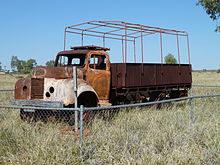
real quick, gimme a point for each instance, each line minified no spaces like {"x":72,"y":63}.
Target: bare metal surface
{"x":63,"y":90}
{"x":85,"y":87}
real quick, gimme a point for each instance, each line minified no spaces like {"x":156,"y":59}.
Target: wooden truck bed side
{"x":128,"y":75}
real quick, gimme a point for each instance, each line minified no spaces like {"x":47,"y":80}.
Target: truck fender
{"x":86,"y":95}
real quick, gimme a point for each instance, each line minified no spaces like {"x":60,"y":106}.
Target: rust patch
{"x":131,"y":75}
{"x":23,"y":89}
{"x":62,"y":72}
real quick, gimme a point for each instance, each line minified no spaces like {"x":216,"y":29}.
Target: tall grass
{"x":138,"y":136}
{"x":6,"y":82}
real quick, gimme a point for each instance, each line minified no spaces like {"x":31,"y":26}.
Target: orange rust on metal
{"x":61,"y":72}
{"x":99,"y":76}
{"x":23,"y":89}
{"x":93,"y":76}
{"x":29,"y":89}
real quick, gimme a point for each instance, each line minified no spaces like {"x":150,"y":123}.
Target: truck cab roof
{"x":89,"y":47}
{"x":82,"y":50}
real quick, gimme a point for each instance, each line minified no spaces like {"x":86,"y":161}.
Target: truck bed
{"x":129,"y":75}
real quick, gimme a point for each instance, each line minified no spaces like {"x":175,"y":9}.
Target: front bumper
{"x":37,"y":103}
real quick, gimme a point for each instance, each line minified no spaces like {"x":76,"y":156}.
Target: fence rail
{"x":206,"y":85}
{"x":6,"y":90}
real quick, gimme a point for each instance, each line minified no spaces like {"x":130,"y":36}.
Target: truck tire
{"x":26,"y":116}
{"x":88,"y":99}
{"x":158,"y":96}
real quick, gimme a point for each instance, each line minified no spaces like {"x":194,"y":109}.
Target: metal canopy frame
{"x":126,"y":32}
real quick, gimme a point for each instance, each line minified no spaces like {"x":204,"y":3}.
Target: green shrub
{"x":18,"y":77}
{"x":170,"y":59}
{"x":218,"y":71}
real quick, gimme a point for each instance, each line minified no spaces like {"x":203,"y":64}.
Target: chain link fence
{"x":81,"y":117}
{"x":204,"y":90}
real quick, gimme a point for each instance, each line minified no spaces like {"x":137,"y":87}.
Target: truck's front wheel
{"x":26,"y":116}
{"x":88,"y":99}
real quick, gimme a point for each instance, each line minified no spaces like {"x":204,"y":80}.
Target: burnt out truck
{"x":101,"y":82}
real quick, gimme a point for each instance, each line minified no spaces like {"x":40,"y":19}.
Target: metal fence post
{"x":75,"y":87}
{"x":191,"y":92}
{"x":192,"y":110}
{"x":81,"y":128}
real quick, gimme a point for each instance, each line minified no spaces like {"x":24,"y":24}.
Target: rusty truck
{"x":101,"y":82}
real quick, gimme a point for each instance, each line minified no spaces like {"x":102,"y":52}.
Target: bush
{"x":170,"y":59}
{"x":218,"y":71}
{"x":18,"y":77}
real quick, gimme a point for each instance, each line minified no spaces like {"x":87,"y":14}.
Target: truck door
{"x":98,"y":74}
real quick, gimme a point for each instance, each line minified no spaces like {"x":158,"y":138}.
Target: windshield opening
{"x":71,"y":60}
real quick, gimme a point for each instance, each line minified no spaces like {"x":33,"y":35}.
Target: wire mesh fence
{"x":195,"y":108}
{"x":204,"y":90}
{"x":85,"y":115}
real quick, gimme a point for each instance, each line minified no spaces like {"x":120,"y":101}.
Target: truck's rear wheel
{"x":159,"y":96}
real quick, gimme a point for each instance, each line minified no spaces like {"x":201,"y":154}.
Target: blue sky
{"x":34,"y":29}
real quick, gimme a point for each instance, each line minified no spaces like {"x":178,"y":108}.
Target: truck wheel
{"x":26,"y":116}
{"x":159,"y":96}
{"x":43,"y":115}
{"x":37,"y":115}
{"x":88,"y":99}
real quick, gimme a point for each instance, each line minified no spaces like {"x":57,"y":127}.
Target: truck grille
{"x":37,"y":88}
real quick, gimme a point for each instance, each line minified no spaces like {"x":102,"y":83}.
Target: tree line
{"x":25,"y":66}
{"x":22,"y":66}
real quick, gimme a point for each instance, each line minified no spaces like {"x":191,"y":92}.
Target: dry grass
{"x":6,"y":82}
{"x":206,"y":78}
{"x":140,"y":136}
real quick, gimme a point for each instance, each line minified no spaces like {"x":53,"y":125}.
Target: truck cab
{"x":54,"y":84}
